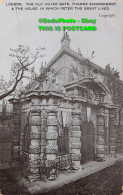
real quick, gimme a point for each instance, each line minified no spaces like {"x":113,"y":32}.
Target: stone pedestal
{"x":100,"y":137}
{"x":51,"y":136}
{"x":112,"y":133}
{"x":75,"y":139}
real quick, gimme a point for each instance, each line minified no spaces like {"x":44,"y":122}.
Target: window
{"x":57,"y":79}
{"x":75,"y":64}
{"x":74,"y":76}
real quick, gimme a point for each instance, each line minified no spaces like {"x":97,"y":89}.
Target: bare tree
{"x":21,"y":67}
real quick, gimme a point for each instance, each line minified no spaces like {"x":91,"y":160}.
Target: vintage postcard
{"x":61,"y":97}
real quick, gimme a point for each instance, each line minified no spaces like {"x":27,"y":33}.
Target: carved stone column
{"x":75,"y":138}
{"x":112,"y":133}
{"x":34,"y":147}
{"x":51,"y":136}
{"x":100,"y":137}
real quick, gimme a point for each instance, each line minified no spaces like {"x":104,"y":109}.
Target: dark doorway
{"x":87,"y":142}
{"x":63,"y":147}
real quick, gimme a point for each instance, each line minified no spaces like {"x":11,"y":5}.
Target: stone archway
{"x":87,"y":142}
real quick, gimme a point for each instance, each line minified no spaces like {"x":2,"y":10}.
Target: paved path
{"x":70,"y":176}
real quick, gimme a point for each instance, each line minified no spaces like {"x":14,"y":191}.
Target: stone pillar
{"x":51,"y":136}
{"x":112,"y":133}
{"x":34,"y":147}
{"x":43,"y":135}
{"x":100,"y":137}
{"x":106,"y":131}
{"x":24,"y":123}
{"x":75,"y":139}
{"x":15,"y":139}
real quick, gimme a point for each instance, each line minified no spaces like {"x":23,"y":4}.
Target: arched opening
{"x":87,"y":142}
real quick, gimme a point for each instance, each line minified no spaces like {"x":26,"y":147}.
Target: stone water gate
{"x":58,"y":126}
{"x":65,"y":118}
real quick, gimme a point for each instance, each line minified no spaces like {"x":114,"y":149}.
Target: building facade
{"x":67,"y":116}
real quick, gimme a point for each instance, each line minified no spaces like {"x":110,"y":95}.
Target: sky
{"x":21,"y":27}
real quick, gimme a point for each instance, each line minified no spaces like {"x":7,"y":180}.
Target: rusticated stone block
{"x":112,"y":135}
{"x":112,"y":144}
{"x":76,"y":157}
{"x":51,"y":142}
{"x":34,"y":163}
{"x":76,"y":122}
{"x":76,"y":145}
{"x":51,"y":156}
{"x":112,"y":148}
{"x":52,"y":121}
{"x":100,"y":147}
{"x":51,"y":129}
{"x":43,"y":142}
{"x":112,"y":140}
{"x":34,"y":149}
{"x":100,"y":141}
{"x":33,"y":157}
{"x":100,"y":127}
{"x":76,"y":133}
{"x":76,"y":151}
{"x":75,"y":140}
{"x":53,"y":135}
{"x":76,"y":128}
{"x":100,"y":151}
{"x":35,"y":142}
{"x":35,"y":129}
{"x":51,"y":149}
{"x":35,"y":135}
{"x":101,"y":133}
{"x":33,"y":170}
{"x":36,"y":120}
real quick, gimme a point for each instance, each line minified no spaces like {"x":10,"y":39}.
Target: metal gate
{"x":5,"y":144}
{"x":87,"y":142}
